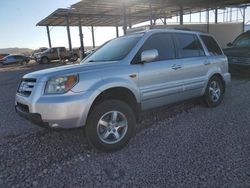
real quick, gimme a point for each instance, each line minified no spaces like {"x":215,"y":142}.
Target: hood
{"x":44,"y":75}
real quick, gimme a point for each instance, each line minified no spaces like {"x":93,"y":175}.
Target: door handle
{"x":207,"y":63}
{"x":176,"y":67}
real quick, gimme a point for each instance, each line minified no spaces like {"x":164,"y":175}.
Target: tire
{"x":103,"y":130}
{"x":23,"y":63}
{"x":214,"y":92}
{"x":45,"y":60}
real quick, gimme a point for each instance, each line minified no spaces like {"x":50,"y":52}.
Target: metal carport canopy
{"x":111,"y":12}
{"x":126,"y":13}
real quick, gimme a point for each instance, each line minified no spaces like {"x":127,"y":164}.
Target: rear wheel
{"x":214,"y":92}
{"x":110,"y":125}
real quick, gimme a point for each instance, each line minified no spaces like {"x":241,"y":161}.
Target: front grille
{"x":239,"y":60}
{"x":26,"y":86}
{"x":23,"y":107}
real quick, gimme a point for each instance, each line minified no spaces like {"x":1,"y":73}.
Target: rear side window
{"x":212,"y":46}
{"x":163,"y":43}
{"x":188,"y":45}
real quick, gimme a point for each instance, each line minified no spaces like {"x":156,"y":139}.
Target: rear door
{"x":194,"y":63}
{"x":160,"y":81}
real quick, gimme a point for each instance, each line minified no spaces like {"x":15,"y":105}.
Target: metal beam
{"x":68,"y":32}
{"x":93,"y":36}
{"x":48,"y":33}
{"x":81,"y":39}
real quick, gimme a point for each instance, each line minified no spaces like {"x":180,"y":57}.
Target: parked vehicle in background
{"x":37,"y":52}
{"x":107,"y":91}
{"x":3,"y":55}
{"x":12,"y":59}
{"x":57,"y":53}
{"x":238,"y":53}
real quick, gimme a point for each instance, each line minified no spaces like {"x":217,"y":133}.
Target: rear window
{"x":188,"y":45}
{"x":212,"y":46}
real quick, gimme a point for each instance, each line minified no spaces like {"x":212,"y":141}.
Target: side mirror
{"x":230,"y":44}
{"x":149,"y":55}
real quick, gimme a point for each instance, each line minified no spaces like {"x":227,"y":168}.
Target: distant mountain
{"x":25,"y":51}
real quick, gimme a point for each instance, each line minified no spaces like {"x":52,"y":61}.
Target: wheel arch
{"x":121,"y":93}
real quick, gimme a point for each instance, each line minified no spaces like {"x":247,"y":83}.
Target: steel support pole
{"x":181,"y":15}
{"x":244,"y":18}
{"x":190,"y":16}
{"x":200,"y":16}
{"x":151,"y":14}
{"x":68,"y":32}
{"x":93,"y":36}
{"x":216,"y":16}
{"x":165,"y":21}
{"x":237,"y":14}
{"x":231,"y":14}
{"x":124,"y":13}
{"x":208,"y":20}
{"x":48,"y":33}
{"x":81,"y":39}
{"x":117,"y":30}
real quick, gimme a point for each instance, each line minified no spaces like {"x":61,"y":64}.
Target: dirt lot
{"x":185,"y":145}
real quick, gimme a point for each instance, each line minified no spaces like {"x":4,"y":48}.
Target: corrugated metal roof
{"x":109,"y":12}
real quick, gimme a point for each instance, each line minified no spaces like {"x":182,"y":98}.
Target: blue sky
{"x":18,"y":20}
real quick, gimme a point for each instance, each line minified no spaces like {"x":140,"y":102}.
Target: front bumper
{"x":33,"y":117}
{"x":227,"y":79}
{"x":56,"y":111}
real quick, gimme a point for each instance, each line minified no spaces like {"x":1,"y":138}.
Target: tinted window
{"x":188,"y":45}
{"x":162,"y":42}
{"x":242,"y":41}
{"x":212,"y":46}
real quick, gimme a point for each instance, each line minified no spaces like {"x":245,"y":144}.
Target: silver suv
{"x":107,"y":91}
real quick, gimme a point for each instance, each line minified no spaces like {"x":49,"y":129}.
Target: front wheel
{"x":214,"y":92}
{"x":110,"y":125}
{"x":75,"y":57}
{"x":23,"y":62}
{"x":45,"y":60}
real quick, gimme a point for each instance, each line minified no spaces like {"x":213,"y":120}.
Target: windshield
{"x":242,"y":40}
{"x":114,"y":50}
{"x":46,"y":51}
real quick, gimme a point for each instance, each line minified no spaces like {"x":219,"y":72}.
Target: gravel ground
{"x":185,"y":145}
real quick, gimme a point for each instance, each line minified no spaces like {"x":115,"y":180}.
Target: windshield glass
{"x":47,"y":51}
{"x":114,"y":50}
{"x":242,"y":40}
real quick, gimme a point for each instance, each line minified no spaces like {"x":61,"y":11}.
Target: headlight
{"x":61,"y":84}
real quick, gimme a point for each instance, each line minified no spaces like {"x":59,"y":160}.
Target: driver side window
{"x":162,"y":42}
